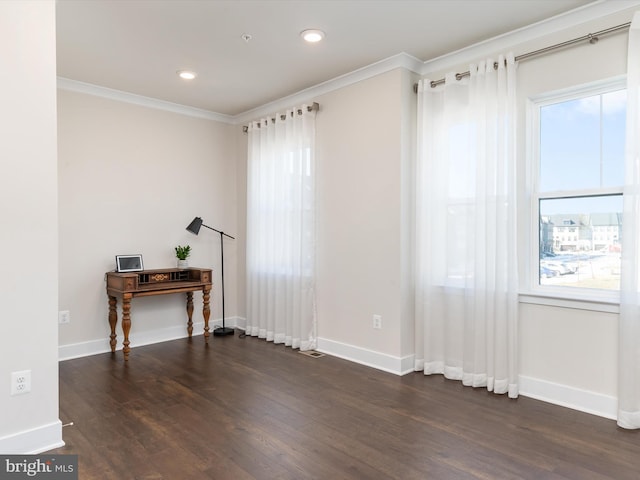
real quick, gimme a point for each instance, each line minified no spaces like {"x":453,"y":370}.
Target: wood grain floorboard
{"x":245,"y":409}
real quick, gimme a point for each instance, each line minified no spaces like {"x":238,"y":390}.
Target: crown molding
{"x":401,"y":60}
{"x":576,"y":17}
{"x":90,"y":89}
{"x":587,"y":13}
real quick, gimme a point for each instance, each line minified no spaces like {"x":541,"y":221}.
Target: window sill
{"x":607,"y":305}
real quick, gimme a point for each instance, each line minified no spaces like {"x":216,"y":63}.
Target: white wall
{"x":568,"y":356}
{"x":361,"y":233}
{"x":131,"y":178}
{"x":241,"y":224}
{"x":28,"y":191}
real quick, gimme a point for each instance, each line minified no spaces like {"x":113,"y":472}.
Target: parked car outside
{"x":548,"y":273}
{"x":561,"y":267}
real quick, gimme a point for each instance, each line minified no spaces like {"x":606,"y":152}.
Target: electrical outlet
{"x":64,"y":316}
{"x":20,"y":382}
{"x":377,"y":321}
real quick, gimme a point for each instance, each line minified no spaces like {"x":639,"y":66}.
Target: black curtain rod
{"x":310,"y":108}
{"x":591,"y":37}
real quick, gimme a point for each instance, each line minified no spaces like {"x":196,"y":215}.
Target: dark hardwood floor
{"x":248,"y":409}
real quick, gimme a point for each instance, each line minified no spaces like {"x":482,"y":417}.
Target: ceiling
{"x":137,"y":46}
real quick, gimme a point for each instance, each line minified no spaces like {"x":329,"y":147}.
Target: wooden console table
{"x":155,"y":282}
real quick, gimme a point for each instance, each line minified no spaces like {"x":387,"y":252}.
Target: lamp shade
{"x":194,"y":226}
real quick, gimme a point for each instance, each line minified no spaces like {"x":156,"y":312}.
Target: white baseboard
{"x":94,"y":347}
{"x":583,"y":400}
{"x":240,"y":322}
{"x":31,"y":442}
{"x":577,"y":399}
{"x":84,"y":349}
{"x":370,"y":358}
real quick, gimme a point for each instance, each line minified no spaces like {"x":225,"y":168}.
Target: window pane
{"x":614,"y":113}
{"x":582,"y":143}
{"x":580,"y":242}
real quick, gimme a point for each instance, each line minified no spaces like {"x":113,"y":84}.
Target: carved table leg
{"x":113,"y":320}
{"x":190,"y":313}
{"x":206,"y":312}
{"x":126,"y":323}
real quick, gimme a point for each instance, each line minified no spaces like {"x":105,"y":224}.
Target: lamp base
{"x":223,"y":331}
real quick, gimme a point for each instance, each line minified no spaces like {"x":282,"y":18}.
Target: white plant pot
{"x":183,"y":263}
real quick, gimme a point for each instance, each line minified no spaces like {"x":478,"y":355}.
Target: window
{"x":283,"y":210}
{"x":577,"y":195}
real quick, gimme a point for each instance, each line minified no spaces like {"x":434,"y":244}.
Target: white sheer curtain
{"x":466,"y":276}
{"x":629,"y":326}
{"x":280,"y":229}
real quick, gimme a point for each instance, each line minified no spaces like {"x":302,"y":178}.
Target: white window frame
{"x":560,"y":295}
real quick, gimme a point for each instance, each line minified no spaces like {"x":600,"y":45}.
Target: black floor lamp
{"x":194,"y":227}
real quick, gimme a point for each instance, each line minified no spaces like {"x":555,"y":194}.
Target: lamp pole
{"x":194,"y":227}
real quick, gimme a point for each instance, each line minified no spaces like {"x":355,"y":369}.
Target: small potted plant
{"x":182,"y":253}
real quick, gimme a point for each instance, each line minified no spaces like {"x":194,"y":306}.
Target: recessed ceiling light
{"x":186,"y":74}
{"x":312,"y":36}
